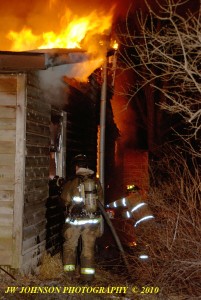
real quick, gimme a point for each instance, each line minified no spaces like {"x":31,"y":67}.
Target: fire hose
{"x":115,"y":235}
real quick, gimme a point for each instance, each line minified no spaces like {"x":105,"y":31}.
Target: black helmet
{"x":80,"y":160}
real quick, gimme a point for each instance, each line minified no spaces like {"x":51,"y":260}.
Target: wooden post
{"x":103,"y":124}
{"x":19,"y":171}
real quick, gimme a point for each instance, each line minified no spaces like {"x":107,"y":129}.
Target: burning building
{"x":49,"y":108}
{"x":49,"y":112}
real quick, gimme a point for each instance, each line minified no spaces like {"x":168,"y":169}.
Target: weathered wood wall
{"x":55,"y":220}
{"x":8,"y":90}
{"x":30,"y":220}
{"x":36,"y":174}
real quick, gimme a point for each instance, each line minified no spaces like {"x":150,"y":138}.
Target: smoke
{"x":52,"y":80}
{"x":53,"y":84}
{"x":54,"y":89}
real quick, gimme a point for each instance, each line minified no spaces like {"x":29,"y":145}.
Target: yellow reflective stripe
{"x":87,"y":271}
{"x":69,"y":268}
{"x":83,"y":221}
{"x":78,"y":199}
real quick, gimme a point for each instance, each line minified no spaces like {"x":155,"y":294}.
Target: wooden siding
{"x":8,"y":98}
{"x":55,"y":221}
{"x":36,"y":174}
{"x":19,"y":171}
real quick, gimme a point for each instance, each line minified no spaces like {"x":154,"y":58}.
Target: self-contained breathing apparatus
{"x":84,"y":203}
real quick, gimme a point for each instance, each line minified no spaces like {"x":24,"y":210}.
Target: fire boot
{"x":71,"y":235}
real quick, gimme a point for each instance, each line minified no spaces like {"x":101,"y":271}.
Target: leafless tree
{"x":163,"y":50}
{"x":173,"y":241}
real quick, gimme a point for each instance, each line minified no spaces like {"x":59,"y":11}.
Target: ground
{"x":52,"y":284}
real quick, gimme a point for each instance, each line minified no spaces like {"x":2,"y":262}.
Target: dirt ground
{"x":33,"y":287}
{"x":50,"y":283}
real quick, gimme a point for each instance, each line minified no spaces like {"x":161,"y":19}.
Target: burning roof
{"x":38,"y":38}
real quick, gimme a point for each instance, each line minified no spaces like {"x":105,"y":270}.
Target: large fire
{"x":74,"y":32}
{"x":58,"y":27}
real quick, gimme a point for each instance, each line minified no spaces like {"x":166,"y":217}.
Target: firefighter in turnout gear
{"x":83,"y":219}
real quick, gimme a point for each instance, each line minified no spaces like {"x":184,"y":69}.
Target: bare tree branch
{"x":164,"y":52}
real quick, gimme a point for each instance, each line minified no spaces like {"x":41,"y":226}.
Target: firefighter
{"x":83,"y":219}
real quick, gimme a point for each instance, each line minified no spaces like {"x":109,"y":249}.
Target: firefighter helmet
{"x":132,"y":188}
{"x":80,"y":160}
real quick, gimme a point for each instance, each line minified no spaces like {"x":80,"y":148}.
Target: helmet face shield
{"x":80,"y":160}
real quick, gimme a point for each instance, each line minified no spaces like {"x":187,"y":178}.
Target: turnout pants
{"x":71,"y":233}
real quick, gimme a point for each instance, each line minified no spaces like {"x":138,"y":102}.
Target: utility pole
{"x":103,"y":124}
{"x":103,"y":106}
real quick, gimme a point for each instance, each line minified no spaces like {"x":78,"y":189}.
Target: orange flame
{"x":69,"y":31}
{"x":115,"y":45}
{"x":75,"y":32}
